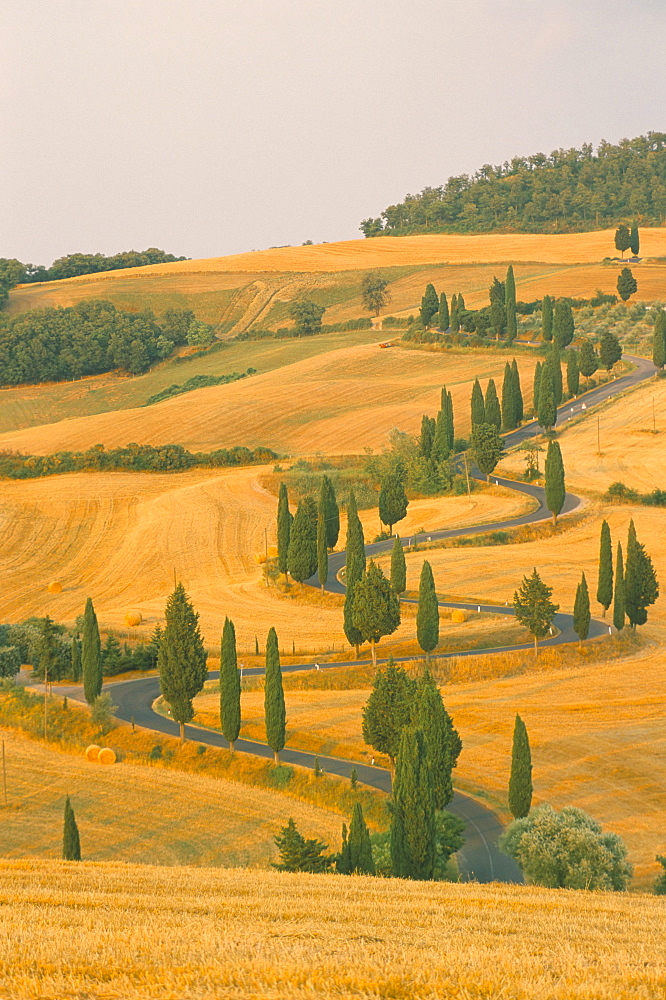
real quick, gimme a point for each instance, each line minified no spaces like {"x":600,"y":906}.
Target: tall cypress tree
{"x":547,"y":412}
{"x":427,"y":435}
{"x":510,"y":304}
{"x":640,"y":581}
{"x":76,"y":659}
{"x":478,"y":407}
{"x":536,"y":388}
{"x":444,"y":317}
{"x":520,"y":781}
{"x":355,"y":568}
{"x":447,"y":406}
{"x":71,"y":843}
{"x":573,"y":373}
{"x":454,"y":319}
{"x":443,"y":744}
{"x":91,"y":654}
{"x":553,"y":362}
{"x":618,"y":597}
{"x":492,"y":406}
{"x":376,"y":609}
{"x":230,"y":687}
{"x":413,"y":833}
{"x":359,"y":847}
{"x":517,"y":393}
{"x":274,"y":708}
{"x":581,"y":615}
{"x":302,"y":553}
{"x":563,"y":324}
{"x":440,"y":445}
{"x":427,"y":615}
{"x":605,"y":581}
{"x":181,"y":659}
{"x":634,"y":241}
{"x":398,"y":567}
{"x":284,"y":519}
{"x":547,"y":319}
{"x":429,"y":305}
{"x":659,"y":340}
{"x":509,"y":421}
{"x":555,"y":487}
{"x":332,"y":512}
{"x":322,"y":547}
{"x":388,"y":709}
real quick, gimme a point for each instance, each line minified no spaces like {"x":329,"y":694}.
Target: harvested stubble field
{"x":139,"y":933}
{"x":132,"y":813}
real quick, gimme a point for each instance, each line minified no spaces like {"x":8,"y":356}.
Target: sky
{"x":209,"y":127}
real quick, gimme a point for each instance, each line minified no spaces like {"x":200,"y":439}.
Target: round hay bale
{"x":106,"y":756}
{"x":54,"y":587}
{"x":458,"y":615}
{"x":92,"y":752}
{"x":272,"y":552}
{"x":133,"y":618}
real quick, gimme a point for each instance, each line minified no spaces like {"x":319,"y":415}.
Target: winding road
{"x":480,"y":859}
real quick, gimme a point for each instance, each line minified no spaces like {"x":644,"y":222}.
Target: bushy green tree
{"x":520,"y":780}
{"x":429,"y":305}
{"x":478,"y":406}
{"x":563,"y":324}
{"x":300,"y":855}
{"x":442,"y":742}
{"x":302,"y":552}
{"x":567,"y":850}
{"x":660,"y":884}
{"x":398,"y":567}
{"x":413,"y":826}
{"x":640,"y":580}
{"x":427,"y":615}
{"x":71,"y":843}
{"x":91,"y":654}
{"x":605,"y":580}
{"x":555,"y":486}
{"x":626,"y":284}
{"x":581,"y":615}
{"x":393,"y":502}
{"x":388,"y":710}
{"x":588,"y":362}
{"x":610,"y":349}
{"x":230,"y":686}
{"x":274,"y":707}
{"x":533,"y":606}
{"x":374,"y":292}
{"x":487,"y":448}
{"x":181,"y":660}
{"x":307,"y":317}
{"x":622,"y":238}
{"x":376,"y":610}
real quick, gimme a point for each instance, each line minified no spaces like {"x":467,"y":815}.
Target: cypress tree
{"x":573,"y":373}
{"x":605,"y":582}
{"x":618,"y":601}
{"x":454,"y":319}
{"x":427,"y":435}
{"x":634,"y":241}
{"x":581,"y":615}
{"x":610,"y":349}
{"x":91,"y":654}
{"x":563,"y":324}
{"x":71,"y":843}
{"x":427,"y":615}
{"x":181,"y":659}
{"x":640,"y":581}
{"x":461,"y":303}
{"x":332,"y":512}
{"x":555,"y":487}
{"x":517,"y":393}
{"x":509,"y":421}
{"x":284,"y":519}
{"x":478,"y":406}
{"x":536,"y":388}
{"x":343,"y":862}
{"x":547,"y":412}
{"x":659,"y":340}
{"x":398,"y":567}
{"x":230,"y":687}
{"x":510,"y":304}
{"x":443,"y":744}
{"x":76,"y":659}
{"x":447,"y":406}
{"x":388,"y":710}
{"x":440,"y":445}
{"x":444,"y":317}
{"x":302,"y":553}
{"x":322,"y":547}
{"x":429,"y":305}
{"x":359,"y":848}
{"x":520,"y":781}
{"x":274,"y":709}
{"x":355,"y":568}
{"x":492,"y":406}
{"x":393,"y":502}
{"x":547,"y":319}
{"x":376,"y":610}
{"x":487,"y":448}
{"x":588,"y":362}
{"x":553,"y":361}
{"x":413,"y":834}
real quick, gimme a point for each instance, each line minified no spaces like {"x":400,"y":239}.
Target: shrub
{"x":102,"y":713}
{"x":660,"y":884}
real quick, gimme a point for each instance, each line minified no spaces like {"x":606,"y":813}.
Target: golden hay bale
{"x":133,"y":618}
{"x":92,"y":752}
{"x":272,"y":552}
{"x":458,"y":615}
{"x":106,"y":756}
{"x":54,"y":587}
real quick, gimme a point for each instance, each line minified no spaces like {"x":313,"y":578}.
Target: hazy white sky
{"x":208,"y":127}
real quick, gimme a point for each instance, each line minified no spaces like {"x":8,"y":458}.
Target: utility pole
{"x":598,"y":436}
{"x":266,"y":553}
{"x":469,"y":492}
{"x":654,"y":418}
{"x":4,"y":772}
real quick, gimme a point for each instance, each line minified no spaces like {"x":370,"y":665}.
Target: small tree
{"x":588,"y":362}
{"x":274,"y":708}
{"x":555,"y":486}
{"x":605,"y":581}
{"x":492,"y":405}
{"x":284,"y":519}
{"x":634,"y":241}
{"x":573,"y":373}
{"x":307,"y":317}
{"x":427,"y":436}
{"x":429,"y":305}
{"x":374,"y":292}
{"x":478,"y":406}
{"x":536,"y":387}
{"x":398,"y":567}
{"x":181,"y":660}
{"x":230,"y":686}
{"x":547,"y":407}
{"x":356,"y":855}
{"x":331,"y":512}
{"x":487,"y":448}
{"x":302,"y":553}
{"x":427,"y":615}
{"x":376,"y":610}
{"x":563,"y":324}
{"x":622,"y":239}
{"x":534,"y":608}
{"x":76,"y":659}
{"x":388,"y":710}
{"x":517,"y":393}
{"x":91,"y":654}
{"x":660,"y":884}
{"x":659,"y":340}
{"x":626,"y":284}
{"x":610,"y":349}
{"x":567,"y":850}
{"x":71,"y":843}
{"x":640,"y":581}
{"x":581,"y":615}
{"x":444,"y":317}
{"x":413,"y":827}
{"x":520,"y":781}
{"x":618,"y":598}
{"x":547,"y":319}
{"x":392,"y":501}
{"x":101,"y":713}
{"x":300,"y":855}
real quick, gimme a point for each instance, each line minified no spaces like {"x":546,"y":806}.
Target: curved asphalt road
{"x":480,"y":858}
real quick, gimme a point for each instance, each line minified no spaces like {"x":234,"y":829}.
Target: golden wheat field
{"x":131,"y":932}
{"x":129,"y":812}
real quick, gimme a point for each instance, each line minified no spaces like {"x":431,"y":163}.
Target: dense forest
{"x":55,"y":344}
{"x":572,"y":190}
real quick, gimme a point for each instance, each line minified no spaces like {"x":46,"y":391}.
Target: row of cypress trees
{"x":438,"y":433}
{"x":488,"y":410}
{"x":631,"y":587}
{"x":304,"y":539}
{"x":557,"y":321}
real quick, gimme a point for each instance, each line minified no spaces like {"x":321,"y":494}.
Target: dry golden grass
{"x":119,"y":932}
{"x":128,"y":812}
